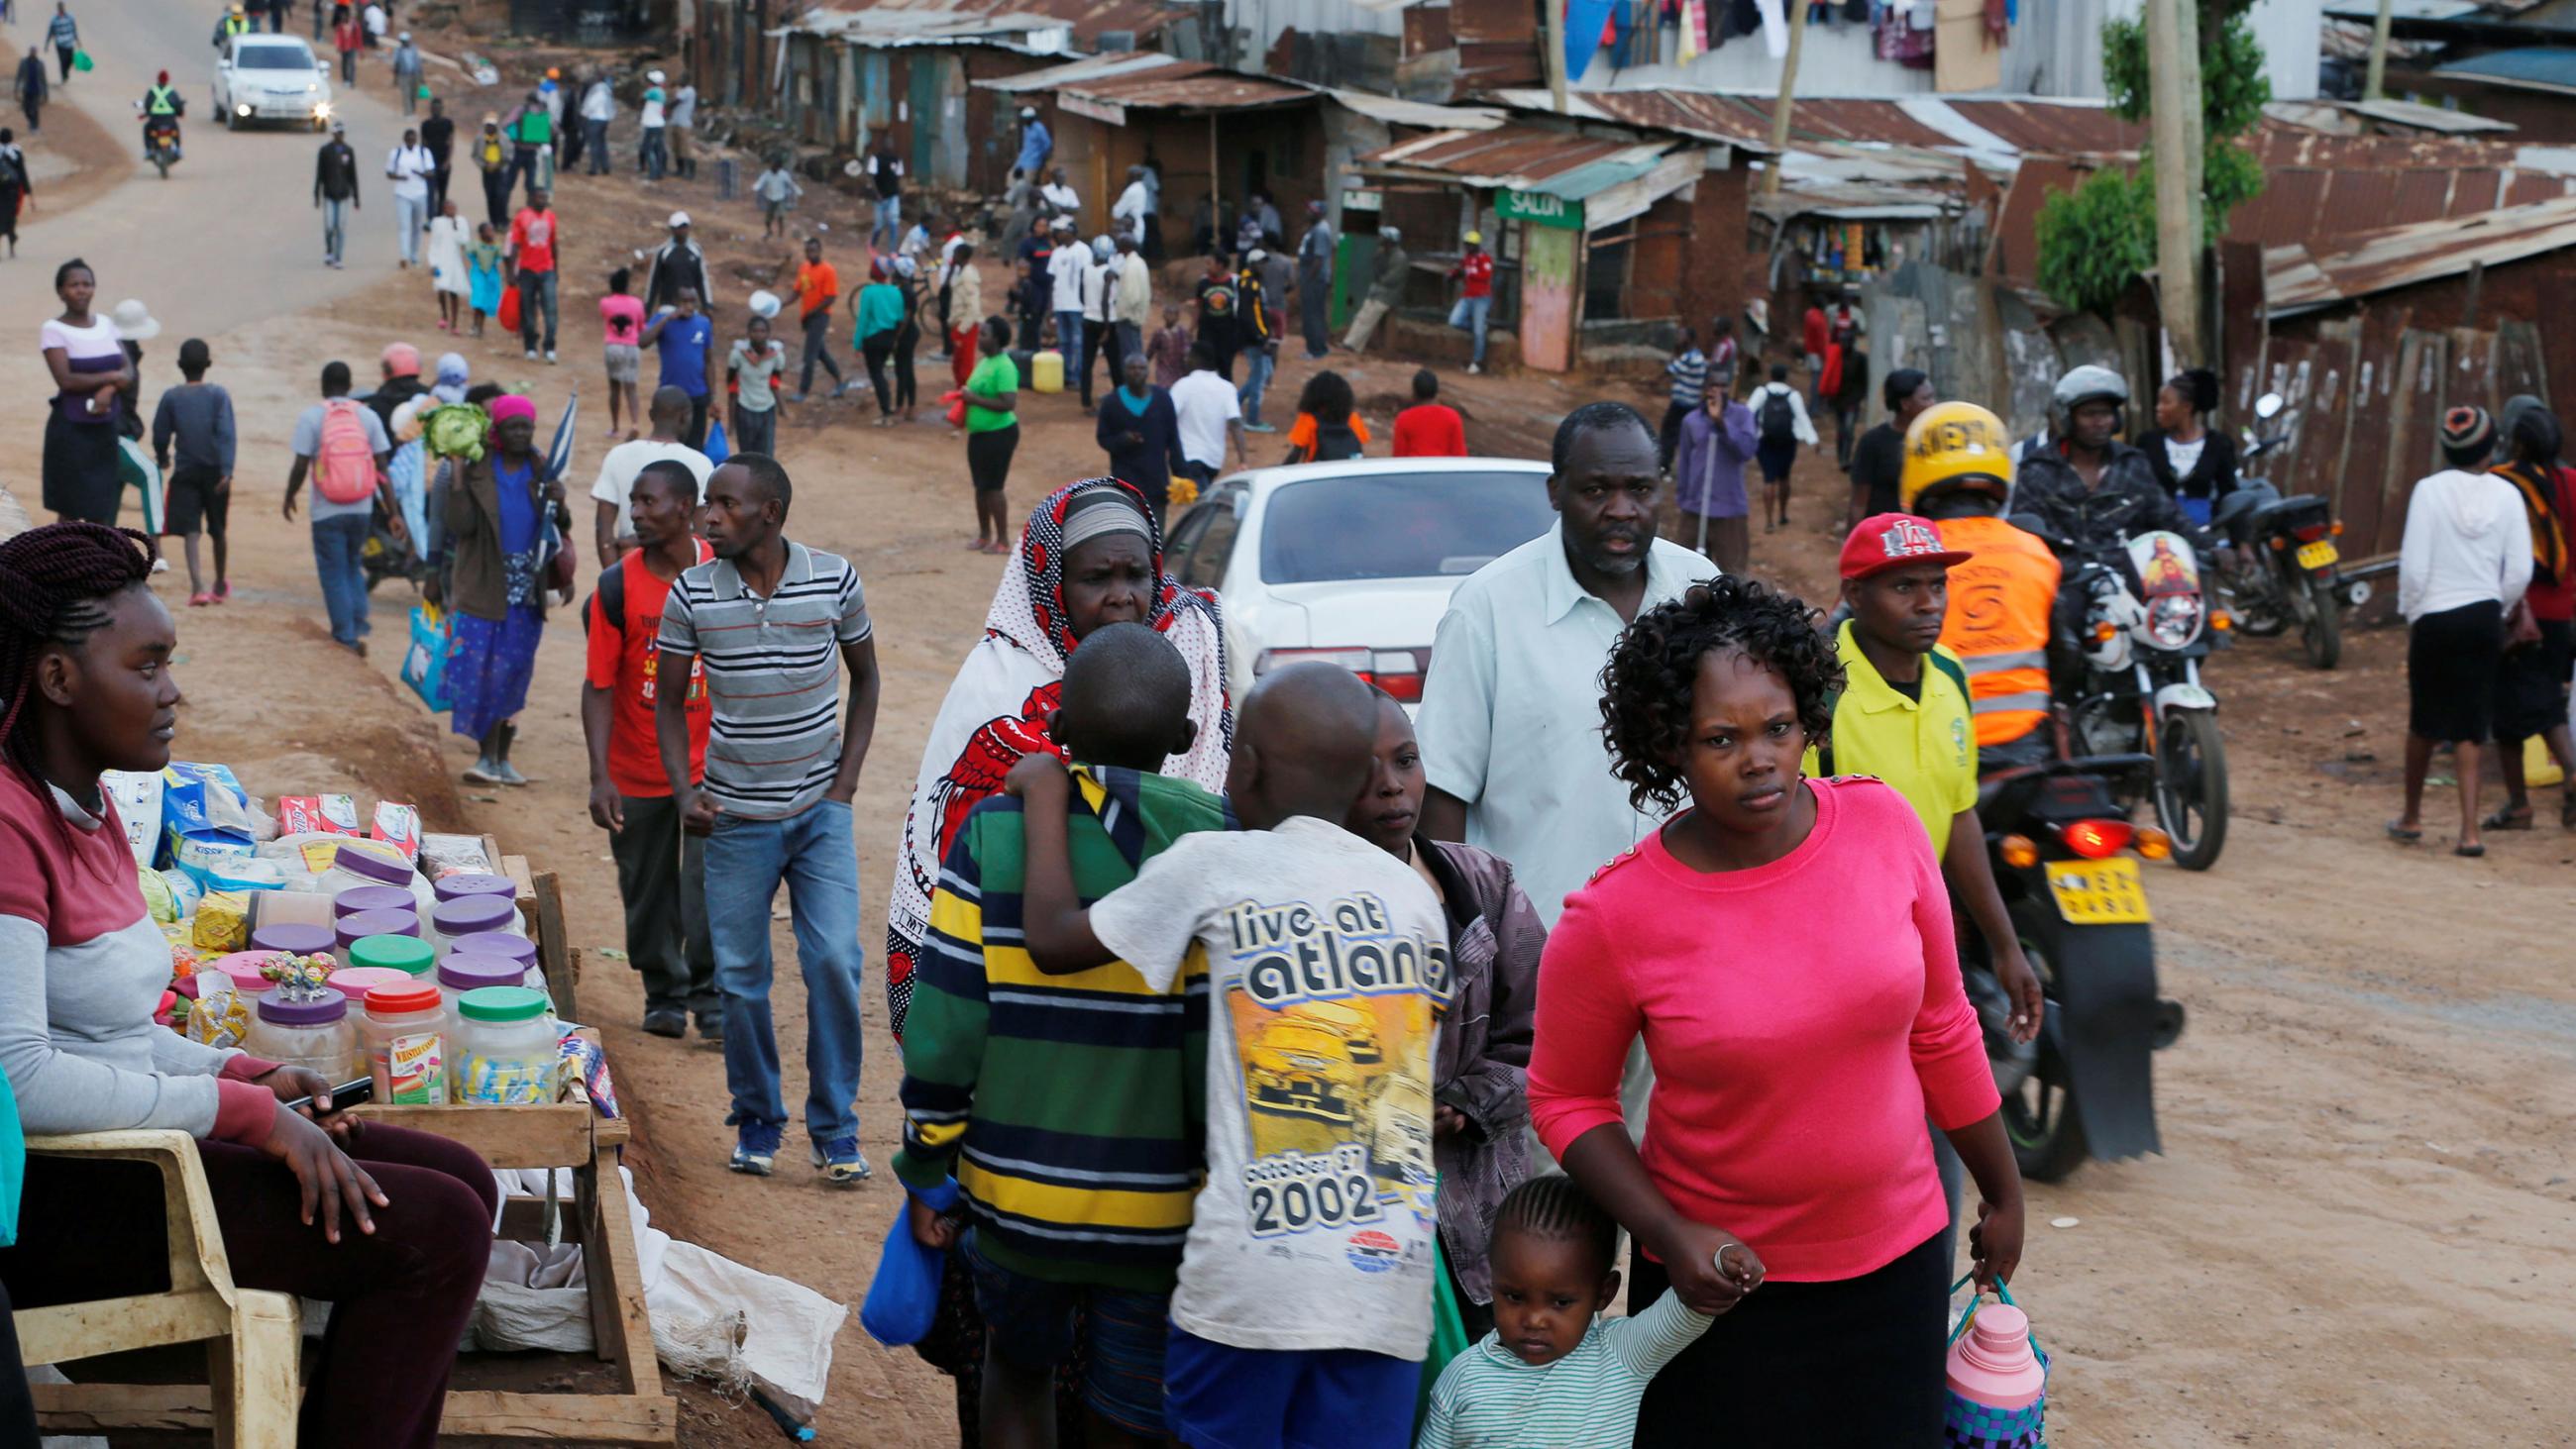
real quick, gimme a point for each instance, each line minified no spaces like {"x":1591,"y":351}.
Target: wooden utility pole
{"x":2375,"y":88}
{"x":2177,"y":240}
{"x":1788,"y":97}
{"x":1551,"y":50}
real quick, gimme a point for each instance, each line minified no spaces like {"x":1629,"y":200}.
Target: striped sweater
{"x":1487,"y":1398}
{"x":1069,"y":1108}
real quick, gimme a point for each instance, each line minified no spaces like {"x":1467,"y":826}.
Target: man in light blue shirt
{"x":1036,"y":143}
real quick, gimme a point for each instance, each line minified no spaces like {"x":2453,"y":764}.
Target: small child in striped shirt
{"x":1554,"y":1372}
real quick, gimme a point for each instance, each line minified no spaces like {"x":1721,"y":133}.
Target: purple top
{"x":1708,"y":464}
{"x":293,"y":938}
{"x":507,"y":945}
{"x":371,"y":865}
{"x":473,"y":973}
{"x":355,"y":928}
{"x":471,"y":915}
{"x":373,"y":898}
{"x":322,"y":1010}
{"x":475,"y":883}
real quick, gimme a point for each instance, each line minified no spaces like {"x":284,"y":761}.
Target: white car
{"x":272,"y":78}
{"x":1352,"y":563}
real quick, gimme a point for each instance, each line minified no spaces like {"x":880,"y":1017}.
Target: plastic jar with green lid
{"x":409,"y":955}
{"x":508,"y":1055}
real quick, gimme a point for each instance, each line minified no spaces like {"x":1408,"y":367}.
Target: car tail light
{"x":1397,"y":671}
{"x":2310,"y":533}
{"x":2098,"y":839}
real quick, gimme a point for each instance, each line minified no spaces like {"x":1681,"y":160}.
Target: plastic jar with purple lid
{"x":358,"y":927}
{"x":470,"y":916}
{"x":314,"y":1033}
{"x":294,"y":938}
{"x":360,"y":861}
{"x":461,"y":973}
{"x":475,"y":883}
{"x":509,"y":945}
{"x":373,"y":898}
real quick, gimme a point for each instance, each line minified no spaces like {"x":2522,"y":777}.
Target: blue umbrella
{"x":559,"y":452}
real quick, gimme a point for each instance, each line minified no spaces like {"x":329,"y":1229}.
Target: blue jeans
{"x":1470,"y":314}
{"x":889,"y":220}
{"x":537,"y":291}
{"x":1068,"y":339}
{"x":815,"y":855}
{"x":651,"y":157}
{"x":1255,"y":383}
{"x":334,"y":227}
{"x":594,"y":140}
{"x":338,"y":543}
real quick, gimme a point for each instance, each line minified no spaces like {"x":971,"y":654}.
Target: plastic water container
{"x":465,"y":916}
{"x":1047,"y":371}
{"x":1997,"y":1382}
{"x":359,"y":926}
{"x":407,"y":954}
{"x":407,"y":1034}
{"x":460,"y":973}
{"x":506,"y":944}
{"x":475,"y":883}
{"x":370,"y":898}
{"x":314,"y":1034}
{"x":354,"y":982}
{"x":509,"y":1054}
{"x":293,"y":939}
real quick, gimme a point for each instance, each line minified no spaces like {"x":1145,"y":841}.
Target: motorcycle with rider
{"x":2134,"y":612}
{"x":161,"y":107}
{"x":2062,"y":849}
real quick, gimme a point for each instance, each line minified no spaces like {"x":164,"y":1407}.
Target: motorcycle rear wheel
{"x":2321,"y":627}
{"x":2039,"y":1111}
{"x":2191,"y":787}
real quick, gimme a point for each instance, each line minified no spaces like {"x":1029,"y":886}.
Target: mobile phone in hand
{"x":347,"y":1094}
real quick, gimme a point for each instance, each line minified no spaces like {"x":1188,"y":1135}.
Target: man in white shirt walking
{"x":598,"y":108}
{"x":1065,"y":266}
{"x":1131,"y":300}
{"x":1060,"y":195}
{"x":613,"y":528}
{"x":1209,"y":413}
{"x":1131,"y":213}
{"x":410,"y":167}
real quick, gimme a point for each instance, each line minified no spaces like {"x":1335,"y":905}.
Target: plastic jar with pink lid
{"x":372,"y":898}
{"x":294,"y":939}
{"x":465,"y":916}
{"x":242,"y":967}
{"x":476,"y":883}
{"x":354,"y":982}
{"x":312,"y":1033}
{"x":406,"y":1032}
{"x":357,"y":927}
{"x":460,"y":973}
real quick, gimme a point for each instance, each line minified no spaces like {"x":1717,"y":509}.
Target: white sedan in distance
{"x":272,"y":78}
{"x":1352,"y":563}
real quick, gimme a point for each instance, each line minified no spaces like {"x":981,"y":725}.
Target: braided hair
{"x":1553,"y":1207}
{"x":55,"y":583}
{"x":1646,"y":686}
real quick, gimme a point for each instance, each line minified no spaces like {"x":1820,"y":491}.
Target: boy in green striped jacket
{"x":1069,"y":1108}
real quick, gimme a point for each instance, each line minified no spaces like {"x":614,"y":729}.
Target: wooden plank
{"x":558,"y":1135}
{"x":616,"y":1278}
{"x":553,"y":952}
{"x":517,"y":869}
{"x":188,"y":1408}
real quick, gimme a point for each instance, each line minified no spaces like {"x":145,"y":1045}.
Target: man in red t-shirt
{"x":1430,"y":428}
{"x":661,"y":871}
{"x":1812,"y":338}
{"x":534,"y":239}
{"x":1475,"y":274}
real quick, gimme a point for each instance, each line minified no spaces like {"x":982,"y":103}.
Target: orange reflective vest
{"x":2000,"y":602}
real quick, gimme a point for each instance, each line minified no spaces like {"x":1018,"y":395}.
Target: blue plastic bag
{"x":717,"y":449}
{"x":903,"y":1297}
{"x":424,"y":665}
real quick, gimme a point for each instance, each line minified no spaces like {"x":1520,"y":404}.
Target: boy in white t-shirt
{"x":1304,"y":1304}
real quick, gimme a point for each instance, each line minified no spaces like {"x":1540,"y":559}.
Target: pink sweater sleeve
{"x":1587,"y":1015}
{"x":1948,"y":1046}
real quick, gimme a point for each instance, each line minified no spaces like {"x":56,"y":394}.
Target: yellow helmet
{"x":1955,"y":445}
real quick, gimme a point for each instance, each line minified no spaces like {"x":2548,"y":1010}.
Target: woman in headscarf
{"x":496,"y":530}
{"x":2531,"y":678}
{"x":1090,"y":555}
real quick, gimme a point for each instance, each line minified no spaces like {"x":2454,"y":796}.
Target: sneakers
{"x":550,"y":357}
{"x":841,"y":1162}
{"x":666,"y":1022}
{"x":1261,"y":427}
{"x":711,"y":1026}
{"x":755,"y":1148}
{"x":480,"y":773}
{"x":1474,"y":368}
{"x":532,"y":354}
{"x":508,"y":774}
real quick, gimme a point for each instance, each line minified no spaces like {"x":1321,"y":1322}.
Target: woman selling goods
{"x":498,"y":512}
{"x":1480,"y":1111}
{"x":90,"y":371}
{"x":1785,"y":948}
{"x":390,"y":1227}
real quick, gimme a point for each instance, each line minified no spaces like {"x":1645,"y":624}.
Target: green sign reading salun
{"x":1539,"y":209}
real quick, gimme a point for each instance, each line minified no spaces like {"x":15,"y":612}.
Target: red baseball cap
{"x":1893,"y":540}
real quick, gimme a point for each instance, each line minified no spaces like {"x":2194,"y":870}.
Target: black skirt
{"x":2531,"y":684}
{"x":1858,"y":1364}
{"x":2451,"y":662}
{"x":80,"y":469}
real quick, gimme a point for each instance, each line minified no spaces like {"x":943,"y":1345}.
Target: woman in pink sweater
{"x":1784,"y":946}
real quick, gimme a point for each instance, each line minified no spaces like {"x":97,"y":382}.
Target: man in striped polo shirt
{"x":774,"y":622}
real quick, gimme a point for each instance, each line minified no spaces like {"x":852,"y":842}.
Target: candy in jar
{"x":407,"y":1031}
{"x":509,"y":1047}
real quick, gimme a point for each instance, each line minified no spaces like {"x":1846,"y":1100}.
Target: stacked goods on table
{"x":380,"y":953}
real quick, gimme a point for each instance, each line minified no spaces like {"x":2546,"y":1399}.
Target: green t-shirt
{"x":994,"y":377}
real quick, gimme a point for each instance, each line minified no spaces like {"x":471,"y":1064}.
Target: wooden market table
{"x":567,"y":1134}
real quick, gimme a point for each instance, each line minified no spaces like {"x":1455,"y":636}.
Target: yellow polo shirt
{"x":1927,"y":750}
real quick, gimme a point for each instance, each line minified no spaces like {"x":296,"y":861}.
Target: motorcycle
{"x":2065,"y":859}
{"x":161,"y":141}
{"x":2295,"y":579}
{"x":2146,"y":626}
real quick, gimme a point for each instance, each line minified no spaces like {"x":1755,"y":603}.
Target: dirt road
{"x":2363,"y":1231}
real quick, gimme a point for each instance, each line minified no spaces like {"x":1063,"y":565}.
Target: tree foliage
{"x":2093,"y":240}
